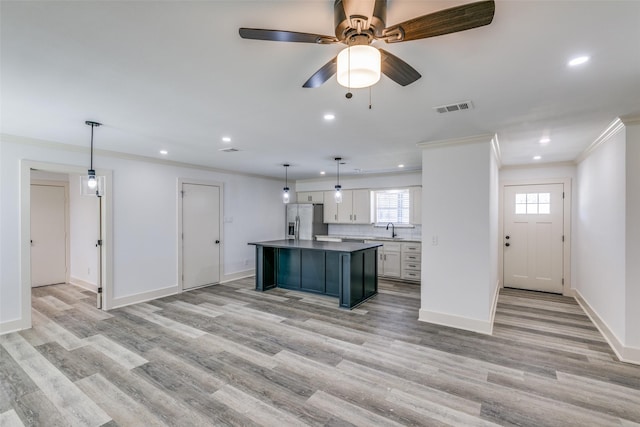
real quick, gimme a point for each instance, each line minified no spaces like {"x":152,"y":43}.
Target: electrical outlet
{"x":434,"y":240}
{"x":246,"y":262}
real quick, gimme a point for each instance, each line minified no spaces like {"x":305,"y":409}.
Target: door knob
{"x":217,"y":241}
{"x":506,"y":237}
{"x":507,"y":244}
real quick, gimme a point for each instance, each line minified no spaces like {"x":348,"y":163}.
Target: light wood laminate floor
{"x":227,"y":355}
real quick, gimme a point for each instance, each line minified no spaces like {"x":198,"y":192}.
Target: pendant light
{"x":338,"y":187}
{"x":92,"y":182}
{"x":285,"y":192}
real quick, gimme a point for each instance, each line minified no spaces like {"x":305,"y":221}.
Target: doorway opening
{"x":536,"y":235}
{"x":40,"y":255}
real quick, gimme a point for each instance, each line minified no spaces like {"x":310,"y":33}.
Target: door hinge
{"x":563,"y":194}
{"x":563,"y":237}
{"x":563,"y":281}
{"x":99,"y":242}
{"x":182,"y":193}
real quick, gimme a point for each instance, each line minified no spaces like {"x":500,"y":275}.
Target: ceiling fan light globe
{"x":365,"y":66}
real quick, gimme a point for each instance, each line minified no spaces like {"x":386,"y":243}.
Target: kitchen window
{"x":392,"y":206}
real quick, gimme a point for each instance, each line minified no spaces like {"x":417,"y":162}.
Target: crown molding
{"x":631,"y":120}
{"x":456,"y":141}
{"x":361,"y":175}
{"x":539,"y":165}
{"x":616,"y":126}
{"x":119,"y":155}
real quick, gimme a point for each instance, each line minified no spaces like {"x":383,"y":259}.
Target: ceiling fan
{"x":361,"y":22}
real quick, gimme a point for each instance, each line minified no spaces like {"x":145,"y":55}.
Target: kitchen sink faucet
{"x":393,"y":230}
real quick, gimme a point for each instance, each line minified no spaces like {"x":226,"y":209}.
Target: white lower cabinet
{"x":411,"y":261}
{"x":389,"y":259}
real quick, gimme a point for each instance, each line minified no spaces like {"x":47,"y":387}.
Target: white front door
{"x":533,"y":237}
{"x":200,"y":235}
{"x":48,"y":235}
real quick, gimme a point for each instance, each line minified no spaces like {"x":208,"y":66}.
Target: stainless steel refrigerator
{"x":304,"y":221}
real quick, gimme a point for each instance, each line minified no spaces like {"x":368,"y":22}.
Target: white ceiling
{"x":175,"y":75}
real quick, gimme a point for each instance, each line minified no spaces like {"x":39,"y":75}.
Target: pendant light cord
{"x":91,"y":167}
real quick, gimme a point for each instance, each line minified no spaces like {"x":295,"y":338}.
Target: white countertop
{"x":382,"y":239}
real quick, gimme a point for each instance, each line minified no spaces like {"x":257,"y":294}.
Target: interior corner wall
{"x":632,"y":308}
{"x":145,"y":225}
{"x":599,"y":251}
{"x":456,"y":234}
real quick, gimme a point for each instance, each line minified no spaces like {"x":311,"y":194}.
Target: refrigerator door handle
{"x":297,"y":228}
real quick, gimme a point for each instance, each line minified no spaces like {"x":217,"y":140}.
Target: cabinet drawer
{"x":415,"y":257}
{"x":411,"y":247}
{"x":410,"y":265}
{"x":411,"y":275}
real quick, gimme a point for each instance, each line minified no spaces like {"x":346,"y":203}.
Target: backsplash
{"x":413,"y":233}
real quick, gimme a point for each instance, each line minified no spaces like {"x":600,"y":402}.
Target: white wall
{"x":405,"y":179}
{"x":84,"y":216}
{"x":632,"y":308}
{"x":600,"y":232}
{"x":144,"y":219}
{"x":457,"y":273}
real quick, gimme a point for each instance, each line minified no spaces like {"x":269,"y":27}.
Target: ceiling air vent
{"x":228,"y":150}
{"x":458,"y":106}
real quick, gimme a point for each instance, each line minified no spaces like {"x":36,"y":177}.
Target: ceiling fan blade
{"x":285,"y":36}
{"x":323,"y":74}
{"x":397,"y":70}
{"x":446,"y":21}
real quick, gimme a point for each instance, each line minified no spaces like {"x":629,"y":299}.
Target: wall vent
{"x":228,"y":150}
{"x":458,"y":106}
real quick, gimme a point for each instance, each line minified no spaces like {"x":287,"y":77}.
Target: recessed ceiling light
{"x":226,"y":139}
{"x":329,"y":116}
{"x":545,"y":140}
{"x":164,"y":152}
{"x":579,"y":60}
{"x":322,"y":172}
{"x":537,"y":157}
{"x":400,"y":166}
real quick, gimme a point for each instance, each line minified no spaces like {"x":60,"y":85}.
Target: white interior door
{"x":533,"y":237}
{"x":48,"y":235}
{"x":200,"y":235}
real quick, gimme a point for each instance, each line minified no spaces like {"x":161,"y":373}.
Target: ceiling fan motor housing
{"x":373,"y":21}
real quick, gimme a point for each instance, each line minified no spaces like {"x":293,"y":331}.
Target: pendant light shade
{"x":90,"y":185}
{"x":359,"y":66}
{"x":285,"y":190}
{"x":338,"y":187}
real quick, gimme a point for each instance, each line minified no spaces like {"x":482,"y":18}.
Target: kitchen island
{"x":341,"y":269}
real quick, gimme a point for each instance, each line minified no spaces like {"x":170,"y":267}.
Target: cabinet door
{"x":303,"y":197}
{"x":330,"y":208}
{"x":316,"y":196}
{"x":361,"y":207}
{"x":345,"y":209}
{"x":416,"y":205}
{"x":392,"y":264}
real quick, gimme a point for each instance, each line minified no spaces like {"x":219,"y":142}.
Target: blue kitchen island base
{"x":340,"y":269}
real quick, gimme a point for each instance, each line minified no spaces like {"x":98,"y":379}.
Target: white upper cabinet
{"x":354,"y":209}
{"x":416,"y":205}
{"x":310,"y":196}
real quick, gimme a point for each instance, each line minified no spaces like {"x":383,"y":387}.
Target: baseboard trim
{"x":12,"y":326}
{"x":624,"y":353}
{"x":494,"y":305}
{"x":239,"y":275}
{"x":451,"y":320}
{"x":144,"y":296}
{"x":83,"y":284}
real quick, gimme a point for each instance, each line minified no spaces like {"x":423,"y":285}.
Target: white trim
{"x":145,"y":296}
{"x":566,"y":251}
{"x":456,"y":141}
{"x":67,"y":223}
{"x":538,"y":165}
{"x":494,"y":304}
{"x":13,"y":326}
{"x":616,"y":126}
{"x":238,"y":275}
{"x":630,"y":120}
{"x":624,"y":353}
{"x":179,"y":225}
{"x":453,"y":321}
{"x":120,"y":155}
{"x":84,"y":284}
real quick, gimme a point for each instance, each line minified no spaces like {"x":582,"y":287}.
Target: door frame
{"x":25,"y":232}
{"x":220,"y":185}
{"x":566,"y":250}
{"x":67,"y":225}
